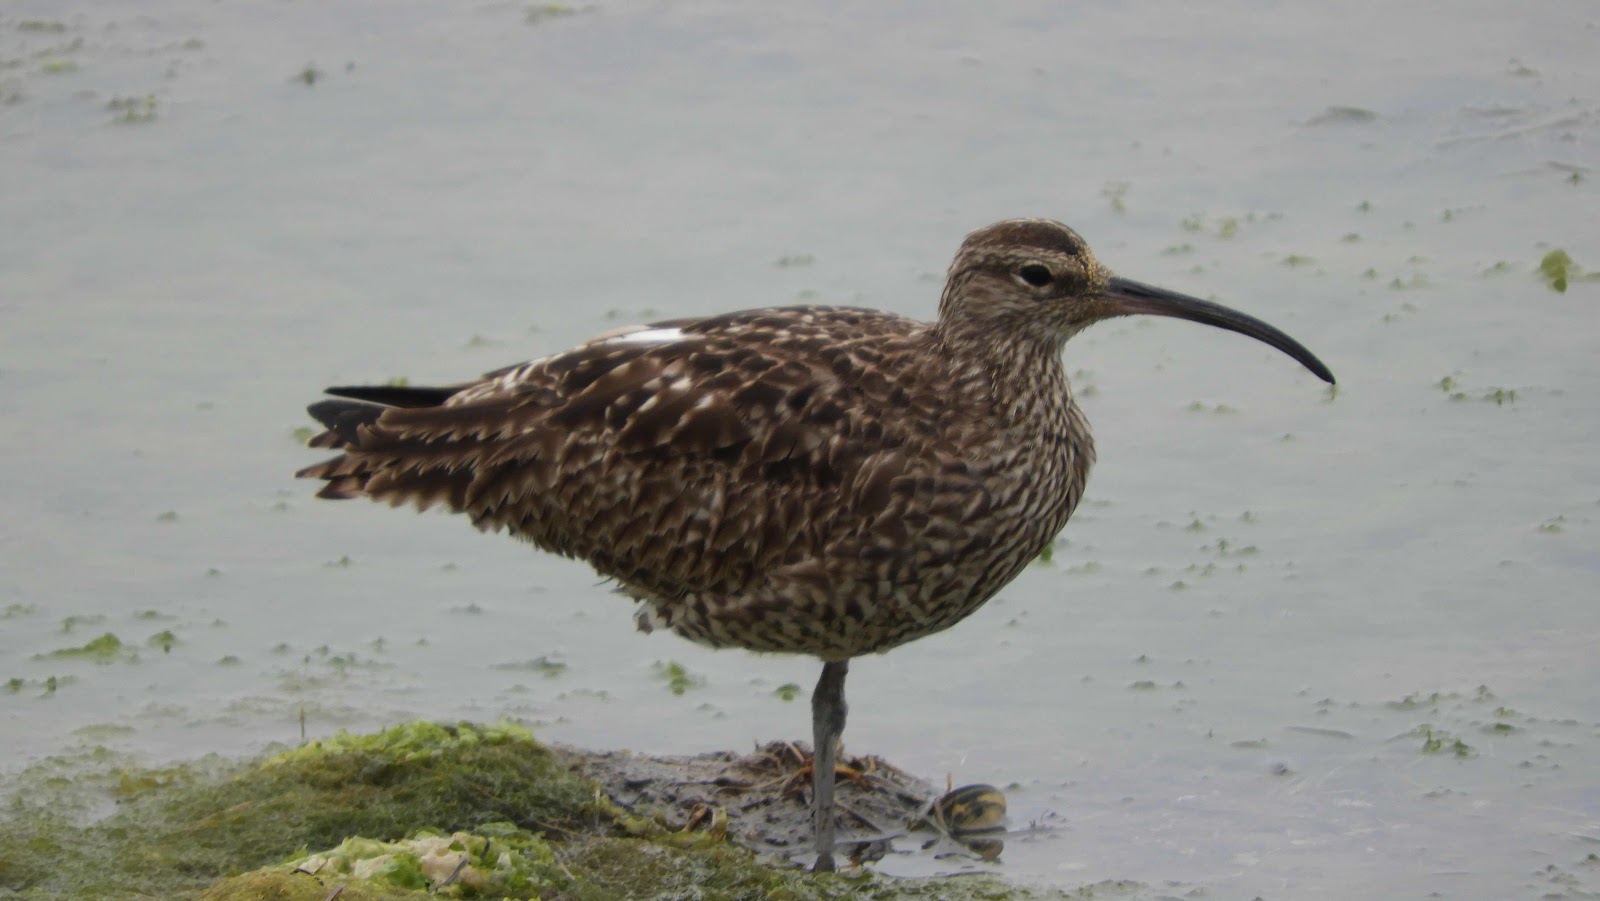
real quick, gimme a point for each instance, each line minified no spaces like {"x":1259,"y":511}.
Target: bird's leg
{"x":827,"y":724}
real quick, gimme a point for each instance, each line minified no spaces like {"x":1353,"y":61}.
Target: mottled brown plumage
{"x":819,"y":480}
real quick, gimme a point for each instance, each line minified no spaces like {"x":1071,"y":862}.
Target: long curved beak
{"x":1126,"y":297}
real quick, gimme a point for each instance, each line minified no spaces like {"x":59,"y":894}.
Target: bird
{"x":829,"y":481}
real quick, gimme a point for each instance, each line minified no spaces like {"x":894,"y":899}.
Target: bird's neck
{"x":1019,"y":375}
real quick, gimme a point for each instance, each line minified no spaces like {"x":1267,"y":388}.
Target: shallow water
{"x":1220,"y":682}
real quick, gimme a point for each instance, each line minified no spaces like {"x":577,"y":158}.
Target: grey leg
{"x":827,"y":724}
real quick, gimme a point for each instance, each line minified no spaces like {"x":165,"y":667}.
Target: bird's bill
{"x":1128,"y":297}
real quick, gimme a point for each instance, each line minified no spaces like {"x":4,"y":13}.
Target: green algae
{"x":133,"y":110}
{"x":70,"y":623}
{"x":499,"y":861}
{"x":544,"y":665}
{"x":105,"y":649}
{"x":1438,"y":741}
{"x":677,"y":676}
{"x":1557,"y":270}
{"x":177,"y":830}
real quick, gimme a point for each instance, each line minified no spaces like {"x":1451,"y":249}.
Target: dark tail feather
{"x":395,"y":396}
{"x":343,"y":419}
{"x":349,"y":474}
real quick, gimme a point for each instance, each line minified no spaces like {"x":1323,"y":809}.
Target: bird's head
{"x":1037,"y":279}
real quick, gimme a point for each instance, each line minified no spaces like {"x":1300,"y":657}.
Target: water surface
{"x":1293,"y":645}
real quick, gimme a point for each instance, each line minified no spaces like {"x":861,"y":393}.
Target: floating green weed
{"x":1335,"y":115}
{"x":104,"y":649}
{"x":1414,"y":282}
{"x":133,"y":110}
{"x":677,"y":677}
{"x":1498,"y":396}
{"x":1225,"y":548}
{"x":544,"y":12}
{"x":1558,"y":270}
{"x":543,"y":665}
{"x":1116,"y":193}
{"x":787,"y":691}
{"x":1417,"y":700}
{"x":1438,"y":741}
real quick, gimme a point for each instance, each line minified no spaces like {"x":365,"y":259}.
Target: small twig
{"x":882,"y":832}
{"x":551,"y":827}
{"x":454,"y":874}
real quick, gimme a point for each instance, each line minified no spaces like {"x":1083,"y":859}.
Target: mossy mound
{"x":181,"y":829}
{"x":417,"y":811}
{"x":501,"y":861}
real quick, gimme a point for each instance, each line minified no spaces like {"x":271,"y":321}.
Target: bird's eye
{"x":1035,"y":275}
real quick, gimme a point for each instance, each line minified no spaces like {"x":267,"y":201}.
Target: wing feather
{"x":678,"y":457}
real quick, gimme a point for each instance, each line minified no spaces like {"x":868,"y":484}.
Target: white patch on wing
{"x":646,"y":336}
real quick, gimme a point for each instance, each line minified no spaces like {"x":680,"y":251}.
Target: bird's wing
{"x":681,"y":456}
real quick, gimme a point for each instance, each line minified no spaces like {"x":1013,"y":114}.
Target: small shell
{"x":971,"y":808}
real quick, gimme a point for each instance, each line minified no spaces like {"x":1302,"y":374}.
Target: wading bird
{"x":813,"y":480}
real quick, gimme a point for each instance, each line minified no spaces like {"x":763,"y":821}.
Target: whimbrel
{"x":815,"y":480}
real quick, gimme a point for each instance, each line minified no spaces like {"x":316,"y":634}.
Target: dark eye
{"x":1035,"y":275}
